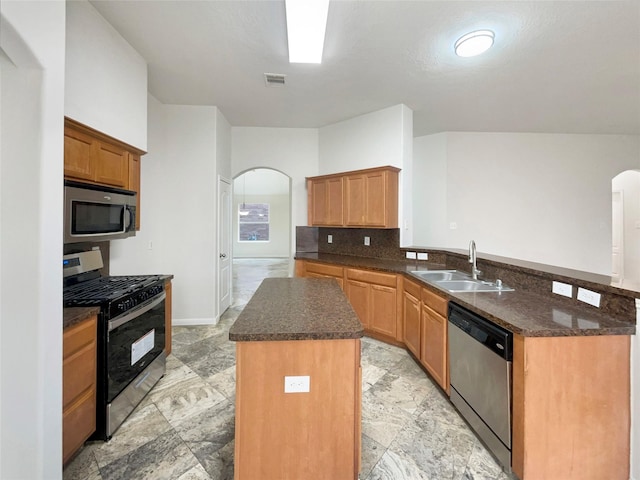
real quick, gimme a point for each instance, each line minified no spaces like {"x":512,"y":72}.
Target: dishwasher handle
{"x":493,"y":337}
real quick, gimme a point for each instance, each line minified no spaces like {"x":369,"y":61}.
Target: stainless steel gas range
{"x":131,"y":334}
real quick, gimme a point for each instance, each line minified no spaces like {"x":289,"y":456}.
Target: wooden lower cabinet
{"x":320,"y":270}
{"x":298,"y":435}
{"x":167,"y":318}
{"x":359,"y":295}
{"x":375,"y":298}
{"x":434,"y":354}
{"x":411,"y":317}
{"x":425,"y":330}
{"x":571,"y":407}
{"x":78,"y":385}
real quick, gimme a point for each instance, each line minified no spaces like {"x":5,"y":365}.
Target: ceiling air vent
{"x":274,"y":79}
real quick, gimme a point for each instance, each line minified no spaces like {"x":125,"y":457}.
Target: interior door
{"x":224,"y":245}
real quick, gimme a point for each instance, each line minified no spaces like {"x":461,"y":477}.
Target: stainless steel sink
{"x":456,"y":281}
{"x":439,"y":275}
{"x":471,"y":286}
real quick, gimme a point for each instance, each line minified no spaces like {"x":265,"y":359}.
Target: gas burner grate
{"x":105,"y":289}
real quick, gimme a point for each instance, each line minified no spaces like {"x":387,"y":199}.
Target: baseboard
{"x":187,"y":322}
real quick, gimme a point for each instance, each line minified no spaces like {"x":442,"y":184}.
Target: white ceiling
{"x":556,"y":66}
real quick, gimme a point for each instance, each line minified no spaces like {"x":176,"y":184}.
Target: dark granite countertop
{"x":296,"y":309}
{"x":74,"y":315}
{"x":522,"y":311}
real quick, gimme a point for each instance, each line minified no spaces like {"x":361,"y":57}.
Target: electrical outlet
{"x":297,"y":384}
{"x":423,"y":256}
{"x":411,"y":255}
{"x":453,"y":226}
{"x":329,"y":238}
{"x":587,"y":296}
{"x":367,"y":241}
{"x":563,"y":289}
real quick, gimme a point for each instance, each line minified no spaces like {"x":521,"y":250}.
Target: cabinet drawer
{"x":434,"y":302}
{"x":78,"y":423}
{"x":412,"y":288}
{"x":78,"y":373}
{"x":76,"y":337}
{"x":385,"y":279}
{"x":324,"y":269}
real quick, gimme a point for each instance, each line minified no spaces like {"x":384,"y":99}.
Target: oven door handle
{"x":130,"y":315}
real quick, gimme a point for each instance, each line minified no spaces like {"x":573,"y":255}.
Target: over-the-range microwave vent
{"x":274,"y":79}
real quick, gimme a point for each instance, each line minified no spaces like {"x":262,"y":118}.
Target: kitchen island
{"x":298,"y":383}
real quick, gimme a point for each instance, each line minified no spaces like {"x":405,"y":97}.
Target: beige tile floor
{"x":184,"y":428}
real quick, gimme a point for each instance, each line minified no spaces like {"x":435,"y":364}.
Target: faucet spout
{"x":473,"y":260}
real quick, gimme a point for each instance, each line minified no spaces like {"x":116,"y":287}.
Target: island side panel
{"x":311,"y":435}
{"x":571,"y":416}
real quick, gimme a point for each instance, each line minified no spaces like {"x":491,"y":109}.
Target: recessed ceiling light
{"x":474,"y":43}
{"x":306,"y":25}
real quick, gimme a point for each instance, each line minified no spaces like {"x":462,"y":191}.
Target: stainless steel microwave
{"x":94,"y":214}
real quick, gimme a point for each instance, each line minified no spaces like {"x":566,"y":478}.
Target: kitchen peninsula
{"x":298,"y":382}
{"x":571,"y":361}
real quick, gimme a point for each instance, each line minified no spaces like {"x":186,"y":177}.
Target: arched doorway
{"x":625,"y":228}
{"x":261,"y":213}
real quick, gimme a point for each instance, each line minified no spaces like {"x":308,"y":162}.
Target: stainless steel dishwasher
{"x":480,"y":357}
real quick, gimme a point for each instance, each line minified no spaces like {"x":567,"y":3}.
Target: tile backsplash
{"x":383,"y":243}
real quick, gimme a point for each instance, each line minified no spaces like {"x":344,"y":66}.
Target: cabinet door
{"x":375,"y":197}
{"x":335,"y":194}
{"x":434,"y":346}
{"x":79,"y":155}
{"x":355,"y":189}
{"x":359,"y":295}
{"x":412,"y":323}
{"x":318,"y":207}
{"x":112,"y":165}
{"x":384,"y":310}
{"x":134,"y":182}
{"x":78,"y":385}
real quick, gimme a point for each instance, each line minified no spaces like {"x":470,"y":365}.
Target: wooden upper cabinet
{"x":79,"y":154}
{"x":134,"y":182}
{"x":93,"y":157}
{"x":112,"y":165}
{"x":363,"y":198}
{"x":325,"y":201}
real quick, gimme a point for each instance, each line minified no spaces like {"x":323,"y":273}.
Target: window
{"x":253,"y":222}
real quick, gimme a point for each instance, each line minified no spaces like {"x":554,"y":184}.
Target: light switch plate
{"x":297,"y":384}
{"x":563,"y":289}
{"x":423,"y":256}
{"x":367,"y":241}
{"x":329,"y":238}
{"x":587,"y":296}
{"x":411,"y":255}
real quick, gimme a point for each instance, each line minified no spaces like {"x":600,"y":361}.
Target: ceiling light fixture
{"x":474,"y":43}
{"x":306,"y":25}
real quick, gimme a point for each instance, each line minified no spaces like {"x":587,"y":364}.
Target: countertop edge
{"x":387,"y":265}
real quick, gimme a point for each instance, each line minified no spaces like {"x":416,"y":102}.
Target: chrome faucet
{"x":473,"y":259}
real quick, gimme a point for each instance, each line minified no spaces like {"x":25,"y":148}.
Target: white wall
{"x":539,"y":197}
{"x":31,"y":132}
{"x":629,"y":184}
{"x":178,"y":210}
{"x":106,"y":79}
{"x":279,"y":228}
{"x":376,"y":139}
{"x":292,"y":151}
{"x":223,"y":146}
{"x":430,"y":190}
